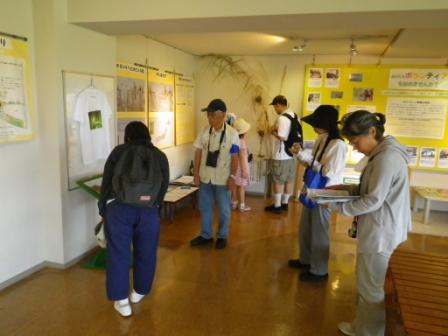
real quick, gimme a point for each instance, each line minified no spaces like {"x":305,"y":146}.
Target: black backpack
{"x":137,"y":176}
{"x":295,"y":133}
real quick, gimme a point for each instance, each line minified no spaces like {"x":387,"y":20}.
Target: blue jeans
{"x":210,"y":194}
{"x":126,"y":224}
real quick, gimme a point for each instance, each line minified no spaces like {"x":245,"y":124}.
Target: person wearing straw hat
{"x":242,"y":177}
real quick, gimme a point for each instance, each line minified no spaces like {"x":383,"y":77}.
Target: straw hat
{"x":241,"y":126}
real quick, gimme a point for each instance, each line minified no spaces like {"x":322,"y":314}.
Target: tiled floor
{"x":246,"y":289}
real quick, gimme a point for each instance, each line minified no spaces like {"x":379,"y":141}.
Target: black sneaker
{"x":220,"y":243}
{"x":311,"y":277}
{"x":272,"y":208}
{"x":295,"y":263}
{"x":199,"y":240}
{"x":284,"y":206}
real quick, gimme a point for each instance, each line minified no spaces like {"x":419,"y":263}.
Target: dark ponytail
{"x":359,"y":123}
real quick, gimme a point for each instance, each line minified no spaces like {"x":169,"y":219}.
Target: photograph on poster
{"x":121,"y":125}
{"x":337,"y":94}
{"x":161,"y":128}
{"x":427,"y":157}
{"x":313,"y":101}
{"x":443,"y":158}
{"x":355,"y":77}
{"x":161,"y":97}
{"x":332,"y":77}
{"x":315,"y":77}
{"x":130,"y":94}
{"x":412,"y":152}
{"x":362,"y":94}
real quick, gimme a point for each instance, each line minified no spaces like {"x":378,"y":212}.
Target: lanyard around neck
{"x":220,"y":140}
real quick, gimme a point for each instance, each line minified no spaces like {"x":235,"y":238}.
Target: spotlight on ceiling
{"x":299,"y":48}
{"x":353,"y":49}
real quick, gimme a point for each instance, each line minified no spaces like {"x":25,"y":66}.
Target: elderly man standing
{"x":215,"y":166}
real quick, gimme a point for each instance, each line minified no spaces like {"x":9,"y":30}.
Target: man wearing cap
{"x":283,"y":163}
{"x":215,"y":166}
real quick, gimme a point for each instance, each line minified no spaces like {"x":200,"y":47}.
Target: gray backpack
{"x":137,"y":176}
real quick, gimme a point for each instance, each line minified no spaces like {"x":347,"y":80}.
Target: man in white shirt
{"x":215,"y":166}
{"x":283,"y":163}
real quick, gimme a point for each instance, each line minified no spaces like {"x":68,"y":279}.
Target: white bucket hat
{"x":241,"y":126}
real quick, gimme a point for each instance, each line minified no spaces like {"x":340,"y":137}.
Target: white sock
{"x":285,"y":198}
{"x":277,"y":200}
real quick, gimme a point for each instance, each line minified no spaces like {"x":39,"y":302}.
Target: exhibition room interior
{"x":161,"y":63}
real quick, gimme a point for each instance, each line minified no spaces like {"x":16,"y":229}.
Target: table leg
{"x":427,"y":208}
{"x":172,"y":212}
{"x":415,"y":203}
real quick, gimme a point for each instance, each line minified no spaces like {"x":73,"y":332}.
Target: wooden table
{"x":176,"y":194}
{"x":417,"y":285}
{"x":428,"y":195}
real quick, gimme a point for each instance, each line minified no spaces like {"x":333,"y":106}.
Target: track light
{"x":353,"y":50}
{"x":299,"y":48}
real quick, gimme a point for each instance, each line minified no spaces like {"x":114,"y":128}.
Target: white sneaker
{"x":346,"y":328}
{"x":123,"y":307}
{"x":136,"y":297}
{"x":234,"y":205}
{"x":244,"y":208}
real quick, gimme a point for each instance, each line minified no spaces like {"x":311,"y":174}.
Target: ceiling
{"x":402,"y":34}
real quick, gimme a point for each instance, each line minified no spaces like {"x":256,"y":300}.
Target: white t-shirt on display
{"x":283,"y":128}
{"x":92,"y":112}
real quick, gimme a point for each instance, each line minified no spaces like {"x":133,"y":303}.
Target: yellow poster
{"x":413,"y":98}
{"x":17,"y":117}
{"x":131,"y":97}
{"x":161,"y":107}
{"x":185,"y":116}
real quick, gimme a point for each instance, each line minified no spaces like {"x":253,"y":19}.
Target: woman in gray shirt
{"x":382,"y":211}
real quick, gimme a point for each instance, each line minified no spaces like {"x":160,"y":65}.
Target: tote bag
{"x":313,"y":179}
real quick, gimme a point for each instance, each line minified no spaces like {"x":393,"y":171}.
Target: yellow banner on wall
{"x":161,"y":108}
{"x":17,"y":118}
{"x":131,"y":97}
{"x":185,"y":114}
{"x":413,"y":98}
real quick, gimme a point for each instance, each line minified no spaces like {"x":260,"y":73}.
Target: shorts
{"x":283,"y":171}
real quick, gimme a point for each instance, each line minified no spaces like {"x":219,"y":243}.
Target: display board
{"x":184,"y":114}
{"x":161,"y":107}
{"x":17,"y":118}
{"x":413,"y":98}
{"x":131,"y":97}
{"x":89,"y":102}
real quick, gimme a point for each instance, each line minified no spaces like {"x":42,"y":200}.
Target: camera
{"x":212,"y":159}
{"x":353,"y":231}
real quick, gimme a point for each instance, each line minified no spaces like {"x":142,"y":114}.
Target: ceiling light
{"x":353,"y":50}
{"x":299,"y":48}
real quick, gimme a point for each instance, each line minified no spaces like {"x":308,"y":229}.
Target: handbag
{"x":100,"y":234}
{"x":313,"y":179}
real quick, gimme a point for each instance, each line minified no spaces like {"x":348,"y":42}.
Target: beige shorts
{"x":283,"y":171}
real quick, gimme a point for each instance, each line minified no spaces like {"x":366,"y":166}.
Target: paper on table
{"x":184,"y":180}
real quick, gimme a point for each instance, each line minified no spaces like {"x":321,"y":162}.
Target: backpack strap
{"x":327,"y":141}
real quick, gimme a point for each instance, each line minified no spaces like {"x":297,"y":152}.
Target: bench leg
{"x":427,"y":208}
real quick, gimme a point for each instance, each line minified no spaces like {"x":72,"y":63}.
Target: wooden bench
{"x":428,"y":195}
{"x":417,"y":286}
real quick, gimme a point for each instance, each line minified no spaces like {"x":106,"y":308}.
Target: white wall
{"x":22,"y":219}
{"x":270,"y":70}
{"x":66,"y":47}
{"x":136,"y":49}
